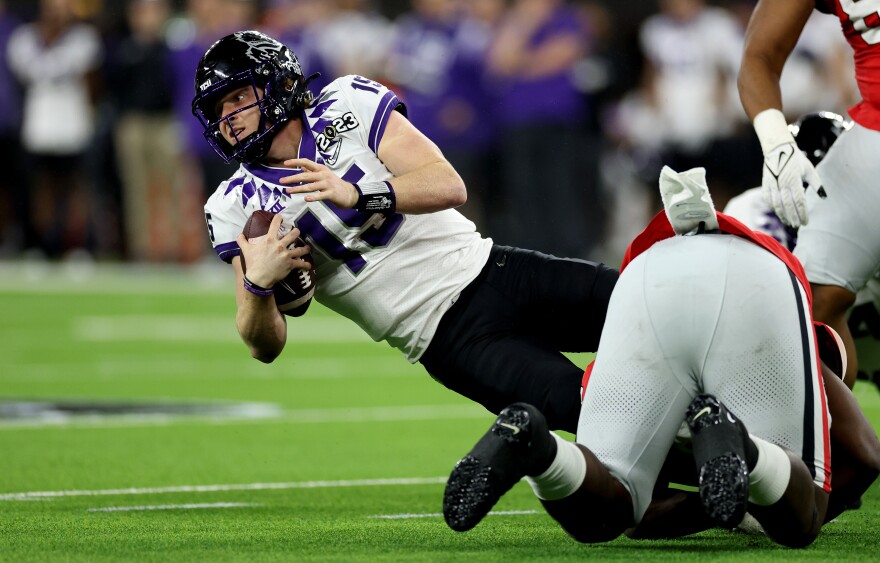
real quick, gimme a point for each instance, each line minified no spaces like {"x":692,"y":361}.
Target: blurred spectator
{"x":436,"y":61}
{"x":146,"y":134}
{"x":542,"y":196}
{"x":354,"y":39}
{"x":296,"y":23}
{"x":56,"y":60}
{"x":205,"y":21}
{"x":692,"y":54}
{"x":13,"y":192}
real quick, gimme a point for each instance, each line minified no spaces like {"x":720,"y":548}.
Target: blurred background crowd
{"x":558,"y":114}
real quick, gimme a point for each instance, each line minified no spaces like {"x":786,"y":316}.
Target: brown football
{"x":294,"y":293}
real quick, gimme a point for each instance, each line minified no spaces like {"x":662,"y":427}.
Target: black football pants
{"x":502,"y":340}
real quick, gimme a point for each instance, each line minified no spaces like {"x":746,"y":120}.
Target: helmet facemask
{"x":250,"y":59}
{"x":272,"y":115}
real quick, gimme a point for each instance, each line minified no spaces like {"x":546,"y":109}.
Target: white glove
{"x":687,"y":201}
{"x":788,"y":173}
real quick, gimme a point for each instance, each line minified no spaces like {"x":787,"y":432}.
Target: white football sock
{"x":565,"y":474}
{"x":770,"y":477}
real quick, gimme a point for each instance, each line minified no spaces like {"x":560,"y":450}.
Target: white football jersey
{"x":751,"y":210}
{"x":394,"y":275}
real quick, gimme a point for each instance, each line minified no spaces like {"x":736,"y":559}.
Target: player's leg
{"x":856,"y":462}
{"x":631,"y":413}
{"x":488,"y":347}
{"x":640,"y":385}
{"x":830,"y":306}
{"x":795,"y":518}
{"x":477,"y":353}
{"x":574,"y":487}
{"x":763,"y":367}
{"x":560,"y":302}
{"x":840,"y":246}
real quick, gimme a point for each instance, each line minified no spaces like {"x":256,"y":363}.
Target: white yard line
{"x":172,"y":507}
{"x":31,"y":495}
{"x":437,"y":514}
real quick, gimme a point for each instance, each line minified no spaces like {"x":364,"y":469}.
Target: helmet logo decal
{"x":259,"y":49}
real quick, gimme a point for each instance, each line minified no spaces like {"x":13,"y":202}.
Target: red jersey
{"x":860,"y":20}
{"x":660,"y":229}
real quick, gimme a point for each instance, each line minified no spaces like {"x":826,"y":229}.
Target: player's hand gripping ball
{"x":294,"y":293}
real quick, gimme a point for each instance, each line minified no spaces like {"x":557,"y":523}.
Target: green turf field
{"x":336,"y":452}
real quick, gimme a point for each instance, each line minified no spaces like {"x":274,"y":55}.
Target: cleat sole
{"x":724,"y":489}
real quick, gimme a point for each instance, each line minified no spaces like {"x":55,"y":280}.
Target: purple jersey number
{"x":330,"y":244}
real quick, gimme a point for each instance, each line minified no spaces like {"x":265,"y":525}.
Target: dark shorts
{"x":502,"y":341}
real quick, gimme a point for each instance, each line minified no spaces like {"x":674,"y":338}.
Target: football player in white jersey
{"x":374,"y":200}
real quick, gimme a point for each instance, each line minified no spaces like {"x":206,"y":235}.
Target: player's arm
{"x":261,"y":326}
{"x":269,"y":259}
{"x":772,"y":33}
{"x":423,"y":181}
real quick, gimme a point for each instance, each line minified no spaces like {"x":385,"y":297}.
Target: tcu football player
{"x":374,"y":200}
{"x":839,"y":241}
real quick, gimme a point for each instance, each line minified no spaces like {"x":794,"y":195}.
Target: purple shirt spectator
{"x":10,"y":97}
{"x":551,"y":98}
{"x":183,"y":59}
{"x":439,"y":69}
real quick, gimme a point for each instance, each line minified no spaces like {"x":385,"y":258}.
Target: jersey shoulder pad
{"x":354,"y":102}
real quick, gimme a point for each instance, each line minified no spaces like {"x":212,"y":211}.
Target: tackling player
{"x":374,"y":199}
{"x":839,"y":243}
{"x":712,"y":328}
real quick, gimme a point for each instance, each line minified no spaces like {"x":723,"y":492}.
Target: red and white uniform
{"x":860,"y":21}
{"x":840,"y":245}
{"x":727,"y":314}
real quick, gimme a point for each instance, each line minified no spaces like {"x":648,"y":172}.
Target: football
{"x":294,"y":293}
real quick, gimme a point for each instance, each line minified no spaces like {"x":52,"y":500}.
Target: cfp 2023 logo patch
{"x":328,"y":141}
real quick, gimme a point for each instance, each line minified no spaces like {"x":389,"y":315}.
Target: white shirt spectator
{"x":58,"y":115}
{"x":693,"y":62}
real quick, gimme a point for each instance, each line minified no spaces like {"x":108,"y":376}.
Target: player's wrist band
{"x":376,"y":197}
{"x":772,"y":129}
{"x":256,"y":289}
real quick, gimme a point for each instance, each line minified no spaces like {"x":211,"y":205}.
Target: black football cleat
{"x":720,"y":450}
{"x":518,"y":444}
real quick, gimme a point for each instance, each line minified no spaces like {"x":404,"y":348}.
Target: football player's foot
{"x":686,"y":200}
{"x":519,"y":443}
{"x":724,"y":453}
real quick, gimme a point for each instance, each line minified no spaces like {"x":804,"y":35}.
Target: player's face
{"x":240,"y":124}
